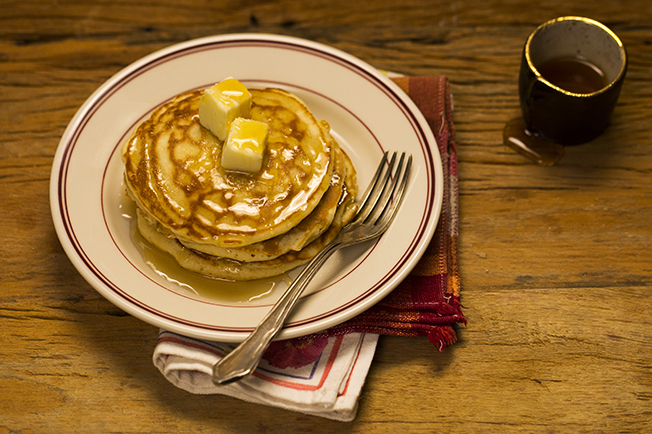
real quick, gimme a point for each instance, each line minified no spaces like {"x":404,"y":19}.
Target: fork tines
{"x":386,"y":189}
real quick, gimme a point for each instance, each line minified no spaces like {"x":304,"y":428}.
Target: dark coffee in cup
{"x":573,"y":74}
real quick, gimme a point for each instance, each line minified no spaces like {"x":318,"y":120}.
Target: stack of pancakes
{"x":232,"y":225}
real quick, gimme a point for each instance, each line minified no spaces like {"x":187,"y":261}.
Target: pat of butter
{"x":245,"y":146}
{"x":221,"y":104}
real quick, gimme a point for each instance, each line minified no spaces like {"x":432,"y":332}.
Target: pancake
{"x":173,"y":172}
{"x":230,"y":269}
{"x":302,"y":234}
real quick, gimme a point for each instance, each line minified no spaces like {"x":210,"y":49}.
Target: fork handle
{"x":245,"y":357}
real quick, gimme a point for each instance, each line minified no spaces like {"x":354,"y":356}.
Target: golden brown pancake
{"x":232,"y":225}
{"x":173,"y":172}
{"x":230,"y":269}
{"x":303,"y":233}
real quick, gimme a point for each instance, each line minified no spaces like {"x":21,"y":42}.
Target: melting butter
{"x":221,"y":104}
{"x":245,"y":146}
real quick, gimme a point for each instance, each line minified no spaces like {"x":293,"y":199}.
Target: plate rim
{"x":131,"y":305}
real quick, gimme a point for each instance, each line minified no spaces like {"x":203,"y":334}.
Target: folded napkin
{"x":323,"y":374}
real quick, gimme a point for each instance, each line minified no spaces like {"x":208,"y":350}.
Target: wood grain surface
{"x":556,"y":262}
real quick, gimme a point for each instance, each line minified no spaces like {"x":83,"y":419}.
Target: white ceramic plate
{"x":368,"y":114}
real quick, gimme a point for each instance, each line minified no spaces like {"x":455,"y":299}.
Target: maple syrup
{"x":537,"y":149}
{"x":192,"y":284}
{"x":573,"y":74}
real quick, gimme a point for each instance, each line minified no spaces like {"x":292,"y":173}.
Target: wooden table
{"x":556,"y":262}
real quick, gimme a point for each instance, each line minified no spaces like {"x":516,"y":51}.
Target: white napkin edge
{"x":191,"y":369}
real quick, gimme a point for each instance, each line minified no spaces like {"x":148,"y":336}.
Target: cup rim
{"x":621,"y":47}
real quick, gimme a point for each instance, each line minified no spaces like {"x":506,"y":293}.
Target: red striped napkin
{"x":427,"y":302}
{"x":323,"y":374}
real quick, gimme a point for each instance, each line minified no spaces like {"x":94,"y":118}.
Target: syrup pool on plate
{"x":193,"y":284}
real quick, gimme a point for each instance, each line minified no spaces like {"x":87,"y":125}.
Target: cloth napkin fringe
{"x":442,"y":336}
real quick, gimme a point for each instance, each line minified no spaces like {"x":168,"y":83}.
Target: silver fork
{"x":377,"y":210}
